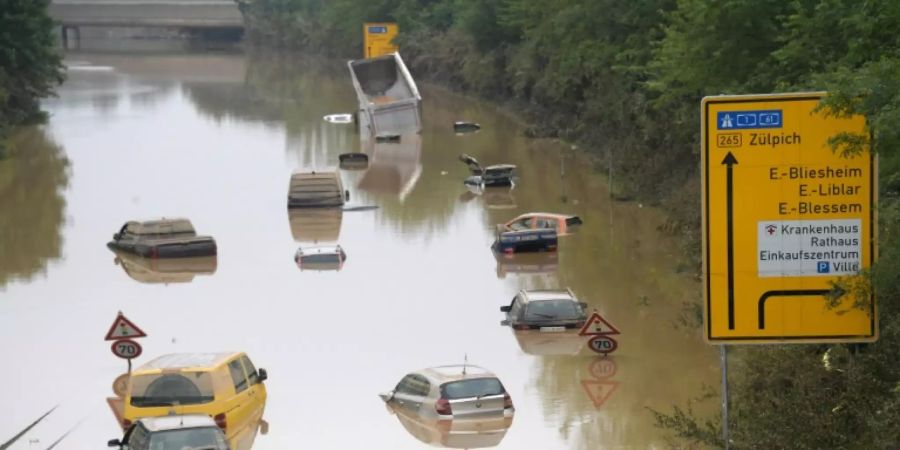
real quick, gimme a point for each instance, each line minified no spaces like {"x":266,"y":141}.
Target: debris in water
{"x":339,"y":118}
{"x":466,"y":127}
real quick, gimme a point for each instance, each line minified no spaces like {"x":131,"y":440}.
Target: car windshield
{"x":552,"y":309}
{"x":169,"y":389}
{"x":475,"y":387}
{"x":207,"y":438}
{"x":321,"y":258}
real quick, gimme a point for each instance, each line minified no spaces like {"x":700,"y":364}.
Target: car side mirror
{"x":583,"y":305}
{"x":504,"y":323}
{"x":346,"y":196}
{"x":114,"y":443}
{"x":504,"y":308}
{"x":262,"y":375}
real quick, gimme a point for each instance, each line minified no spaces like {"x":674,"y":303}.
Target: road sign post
{"x":784,"y":216}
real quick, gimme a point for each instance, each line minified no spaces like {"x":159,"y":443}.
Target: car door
{"x":240,"y":405}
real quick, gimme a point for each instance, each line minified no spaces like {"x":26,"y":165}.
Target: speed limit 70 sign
{"x":126,"y":349}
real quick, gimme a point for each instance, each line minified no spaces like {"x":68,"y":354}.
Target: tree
{"x":30,"y":66}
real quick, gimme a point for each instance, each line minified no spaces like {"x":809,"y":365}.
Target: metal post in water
{"x":723,"y":353}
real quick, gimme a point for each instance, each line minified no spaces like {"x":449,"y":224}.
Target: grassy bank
{"x":625,"y":79}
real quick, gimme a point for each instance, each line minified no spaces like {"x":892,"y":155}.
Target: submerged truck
{"x":388,"y":97}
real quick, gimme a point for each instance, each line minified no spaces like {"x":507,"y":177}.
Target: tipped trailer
{"x":388,"y":97}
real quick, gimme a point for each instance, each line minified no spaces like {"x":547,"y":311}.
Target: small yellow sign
{"x":783,"y":217}
{"x":378,"y":39}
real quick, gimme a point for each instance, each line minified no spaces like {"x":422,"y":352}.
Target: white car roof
{"x":319,"y":249}
{"x":164,"y":423}
{"x":549,"y":294}
{"x":455,"y":372}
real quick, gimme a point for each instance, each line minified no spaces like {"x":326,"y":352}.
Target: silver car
{"x":193,"y":431}
{"x":451,"y":392}
{"x":545,"y":310}
{"x":322,"y":257}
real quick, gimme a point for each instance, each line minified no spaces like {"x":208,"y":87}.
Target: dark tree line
{"x":30,"y":64}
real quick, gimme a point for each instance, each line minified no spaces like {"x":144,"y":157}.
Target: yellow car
{"x":224,"y":386}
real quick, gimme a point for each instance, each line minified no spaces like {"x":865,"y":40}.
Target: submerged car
{"x":561,"y":223}
{"x":543,"y":240}
{"x":451,"y":392}
{"x":320,"y":257}
{"x":465,"y":127}
{"x":497,"y":175}
{"x":353,"y":161}
{"x":193,"y":431}
{"x":162,"y":238}
{"x":316,"y":190}
{"x":545,"y":310}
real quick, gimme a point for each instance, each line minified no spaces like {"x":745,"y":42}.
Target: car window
{"x":405,"y":386}
{"x":546,"y":223}
{"x":552,"y":309}
{"x":515,"y":307}
{"x":169,"y":389}
{"x":237,"y":375}
{"x":139,"y":439}
{"x":321,"y":258}
{"x":521,"y":224}
{"x":420,"y":385}
{"x":475,"y":387}
{"x":252,"y":375}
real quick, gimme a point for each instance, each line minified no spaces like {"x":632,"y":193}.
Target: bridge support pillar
{"x":70,"y":33}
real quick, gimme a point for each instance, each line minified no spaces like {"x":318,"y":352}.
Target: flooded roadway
{"x":214,"y":137}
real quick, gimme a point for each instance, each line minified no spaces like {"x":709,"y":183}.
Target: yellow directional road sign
{"x":378,"y":39}
{"x":783,"y":217}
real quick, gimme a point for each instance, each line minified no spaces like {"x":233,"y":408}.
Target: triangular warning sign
{"x":123,"y":328}
{"x":599,"y":391}
{"x":596,"y":326}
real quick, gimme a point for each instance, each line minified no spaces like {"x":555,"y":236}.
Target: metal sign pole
{"x":723,"y":353}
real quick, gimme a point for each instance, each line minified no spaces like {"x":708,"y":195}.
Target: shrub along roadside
{"x":625,"y":78}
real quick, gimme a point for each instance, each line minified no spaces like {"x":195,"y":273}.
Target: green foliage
{"x":30,"y":66}
{"x":625,"y":77}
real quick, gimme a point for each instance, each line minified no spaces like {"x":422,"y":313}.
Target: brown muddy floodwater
{"x":214,"y":137}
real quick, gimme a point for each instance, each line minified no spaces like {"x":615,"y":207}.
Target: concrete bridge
{"x":146,"y":13}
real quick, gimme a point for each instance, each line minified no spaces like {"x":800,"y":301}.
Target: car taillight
{"x":126,"y":423}
{"x":507,"y":401}
{"x":509,"y":250}
{"x":443,"y":408}
{"x":220,"y":421}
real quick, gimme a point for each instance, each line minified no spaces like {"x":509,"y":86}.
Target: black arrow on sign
{"x":729,"y":162}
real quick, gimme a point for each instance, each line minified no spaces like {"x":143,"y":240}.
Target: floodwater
{"x":214,"y":136}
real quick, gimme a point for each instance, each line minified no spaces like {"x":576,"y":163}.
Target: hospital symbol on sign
{"x":771,"y":229}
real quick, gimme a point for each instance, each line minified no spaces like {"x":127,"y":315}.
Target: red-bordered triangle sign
{"x":596,"y":325}
{"x":123,"y":328}
{"x":599,"y":391}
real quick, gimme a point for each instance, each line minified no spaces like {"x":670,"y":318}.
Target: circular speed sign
{"x":603,"y":344}
{"x":126,"y":349}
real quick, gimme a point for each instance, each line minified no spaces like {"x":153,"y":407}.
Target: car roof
{"x":152,"y":226}
{"x":443,"y":374}
{"x":543,"y":214}
{"x":187,"y":361}
{"x":319,"y":249}
{"x":164,"y":423}
{"x":547,"y":294}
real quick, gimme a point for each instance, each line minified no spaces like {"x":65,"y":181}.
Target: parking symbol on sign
{"x":823,"y":267}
